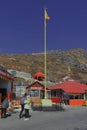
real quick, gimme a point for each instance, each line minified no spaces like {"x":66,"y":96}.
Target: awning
{"x":6,"y":75}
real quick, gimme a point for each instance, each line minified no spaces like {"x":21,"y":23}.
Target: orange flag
{"x":46,"y":15}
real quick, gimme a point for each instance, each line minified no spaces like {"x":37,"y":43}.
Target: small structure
{"x":72,"y":92}
{"x":36,"y":92}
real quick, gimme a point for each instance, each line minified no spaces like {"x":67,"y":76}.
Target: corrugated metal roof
{"x":70,"y":86}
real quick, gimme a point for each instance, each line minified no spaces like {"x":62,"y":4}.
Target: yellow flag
{"x":46,"y":15}
{"x":69,"y":69}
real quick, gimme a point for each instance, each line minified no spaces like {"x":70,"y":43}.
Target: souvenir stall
{"x":6,"y":83}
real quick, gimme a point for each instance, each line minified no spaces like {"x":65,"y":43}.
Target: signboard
{"x":24,"y":75}
{"x":37,"y":88}
{"x":46,"y":102}
{"x":20,"y":90}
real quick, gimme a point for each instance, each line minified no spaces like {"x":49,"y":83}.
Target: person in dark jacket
{"x":5,"y":105}
{"x":22,"y":105}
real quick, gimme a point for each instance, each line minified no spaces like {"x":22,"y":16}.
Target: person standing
{"x":27,"y":107}
{"x":5,"y":105}
{"x":22,"y":105}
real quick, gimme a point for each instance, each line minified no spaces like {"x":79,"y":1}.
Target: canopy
{"x":5,"y":75}
{"x":70,"y":86}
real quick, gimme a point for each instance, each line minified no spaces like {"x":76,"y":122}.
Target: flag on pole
{"x":46,"y":15}
{"x":69,"y":69}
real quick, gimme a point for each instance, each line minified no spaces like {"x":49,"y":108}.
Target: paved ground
{"x":73,"y":118}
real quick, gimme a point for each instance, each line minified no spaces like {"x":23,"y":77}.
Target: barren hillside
{"x":60,"y":63}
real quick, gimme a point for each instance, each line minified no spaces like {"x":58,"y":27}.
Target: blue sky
{"x":22,"y":25}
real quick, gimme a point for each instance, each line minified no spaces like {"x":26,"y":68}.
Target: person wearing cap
{"x":27,"y":107}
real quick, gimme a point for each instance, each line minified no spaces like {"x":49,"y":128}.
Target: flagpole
{"x":45,"y":102}
{"x":45,"y":51}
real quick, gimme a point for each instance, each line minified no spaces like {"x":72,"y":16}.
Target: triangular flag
{"x":46,"y":15}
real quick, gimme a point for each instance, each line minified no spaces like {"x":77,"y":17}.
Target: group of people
{"x":25,"y":103}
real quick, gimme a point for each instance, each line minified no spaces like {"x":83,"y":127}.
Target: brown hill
{"x":60,"y":63}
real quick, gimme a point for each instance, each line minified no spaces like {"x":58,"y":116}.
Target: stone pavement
{"x":73,"y":118}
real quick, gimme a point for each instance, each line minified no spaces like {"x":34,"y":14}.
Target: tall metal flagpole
{"x":45,"y":50}
{"x":45,"y":102}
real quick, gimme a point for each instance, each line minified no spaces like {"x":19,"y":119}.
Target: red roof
{"x":39,"y":74}
{"x":6,"y":75}
{"x":70,"y":86}
{"x":35,"y":84}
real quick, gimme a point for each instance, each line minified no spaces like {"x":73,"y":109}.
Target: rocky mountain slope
{"x":60,"y":63}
